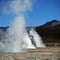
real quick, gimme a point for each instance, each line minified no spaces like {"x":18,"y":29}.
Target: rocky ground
{"x":33,"y":54}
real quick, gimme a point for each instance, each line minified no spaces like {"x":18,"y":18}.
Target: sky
{"x":42,"y":11}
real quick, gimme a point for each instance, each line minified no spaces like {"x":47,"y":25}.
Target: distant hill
{"x":53,"y":23}
{"x":50,"y":31}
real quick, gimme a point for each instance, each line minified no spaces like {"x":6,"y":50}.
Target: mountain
{"x":50,"y":31}
{"x":53,"y":23}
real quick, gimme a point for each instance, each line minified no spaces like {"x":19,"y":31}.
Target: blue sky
{"x":42,"y":12}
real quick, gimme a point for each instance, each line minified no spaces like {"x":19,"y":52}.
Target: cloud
{"x":15,"y":6}
{"x":20,"y":6}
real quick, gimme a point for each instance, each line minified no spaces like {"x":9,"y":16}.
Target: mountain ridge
{"x":53,"y":23}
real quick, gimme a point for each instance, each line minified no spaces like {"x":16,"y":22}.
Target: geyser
{"x":15,"y":35}
{"x":17,"y":38}
{"x":36,"y":38}
{"x":15,"y":41}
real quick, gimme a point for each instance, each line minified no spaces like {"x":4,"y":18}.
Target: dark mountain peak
{"x":55,"y":21}
{"x":52,"y":23}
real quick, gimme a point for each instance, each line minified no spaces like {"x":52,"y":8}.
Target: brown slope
{"x":50,"y":31}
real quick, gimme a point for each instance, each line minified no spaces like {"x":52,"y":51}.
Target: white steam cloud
{"x":15,"y":37}
{"x":36,"y":38}
{"x":16,"y":6}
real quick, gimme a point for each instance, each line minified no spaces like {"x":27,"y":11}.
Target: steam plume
{"x":15,"y":6}
{"x":36,"y":38}
{"x":15,"y":34}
